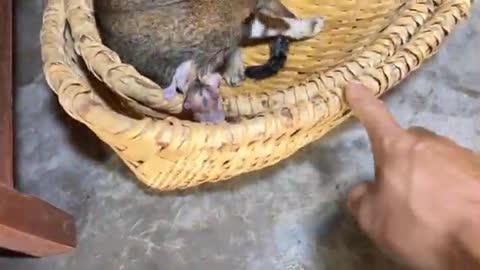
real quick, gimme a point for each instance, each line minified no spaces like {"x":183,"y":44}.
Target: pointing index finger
{"x":371,"y":112}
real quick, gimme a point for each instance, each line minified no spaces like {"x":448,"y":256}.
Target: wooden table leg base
{"x":27,"y":224}
{"x":32,"y":226}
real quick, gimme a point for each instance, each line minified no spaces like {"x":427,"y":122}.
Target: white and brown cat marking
{"x":184,"y":45}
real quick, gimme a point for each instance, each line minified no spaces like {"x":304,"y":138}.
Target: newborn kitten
{"x":184,"y":45}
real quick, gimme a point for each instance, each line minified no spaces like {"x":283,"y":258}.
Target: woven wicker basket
{"x":378,"y":42}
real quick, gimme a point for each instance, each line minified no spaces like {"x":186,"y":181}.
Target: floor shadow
{"x":80,"y":136}
{"x":234,"y":183}
{"x":5,"y":253}
{"x":348,"y":248}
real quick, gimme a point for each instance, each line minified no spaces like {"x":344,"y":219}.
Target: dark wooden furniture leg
{"x":27,"y":224}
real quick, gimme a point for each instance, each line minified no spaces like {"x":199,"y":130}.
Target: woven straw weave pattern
{"x":376,"y":42}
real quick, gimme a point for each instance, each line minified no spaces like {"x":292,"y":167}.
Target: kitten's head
{"x":204,"y":100}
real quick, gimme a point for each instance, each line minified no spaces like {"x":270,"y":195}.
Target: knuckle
{"x":409,"y":143}
{"x":412,"y":143}
{"x":388,"y":143}
{"x":395,"y":144}
{"x":420,"y":145}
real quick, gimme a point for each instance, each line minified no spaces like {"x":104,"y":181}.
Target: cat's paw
{"x":234,"y":79}
{"x":317,"y":24}
{"x":304,"y":28}
{"x":235,"y":74}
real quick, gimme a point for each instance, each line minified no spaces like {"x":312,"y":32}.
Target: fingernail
{"x":356,"y":84}
{"x":353,"y":90}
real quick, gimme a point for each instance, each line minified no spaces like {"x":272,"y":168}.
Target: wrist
{"x":468,"y":239}
{"x":466,"y":236}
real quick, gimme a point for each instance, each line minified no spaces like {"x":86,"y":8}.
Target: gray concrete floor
{"x":285,"y":217}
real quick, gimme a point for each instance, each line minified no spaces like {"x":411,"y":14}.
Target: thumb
{"x":356,"y":195}
{"x":360,"y":204}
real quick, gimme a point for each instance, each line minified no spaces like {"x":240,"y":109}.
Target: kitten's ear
{"x":184,"y":75}
{"x":186,"y":68}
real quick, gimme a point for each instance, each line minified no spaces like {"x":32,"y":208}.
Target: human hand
{"x":426,"y":193}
